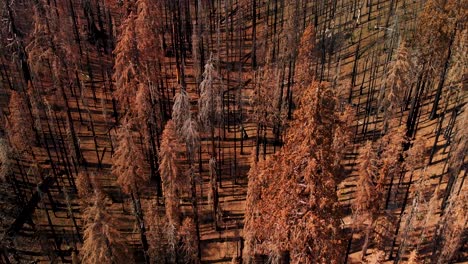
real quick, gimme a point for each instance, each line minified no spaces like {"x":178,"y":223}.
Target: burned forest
{"x":233,"y":131}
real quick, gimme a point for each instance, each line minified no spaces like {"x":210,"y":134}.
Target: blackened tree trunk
{"x":442,"y":77}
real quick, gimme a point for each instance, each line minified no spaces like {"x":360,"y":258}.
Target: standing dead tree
{"x":369,"y":193}
{"x":163,"y":237}
{"x":297,"y":189}
{"x":306,"y":58}
{"x":129,"y":166}
{"x":126,"y":66}
{"x":210,"y":116}
{"x":181,"y":111}
{"x":456,"y":158}
{"x":379,"y":165}
{"x":210,"y":104}
{"x":170,"y":174}
{"x":451,"y":230}
{"x":396,"y":86}
{"x":187,"y":132}
{"x":103,"y":243}
{"x":19,"y":126}
{"x":174,"y":185}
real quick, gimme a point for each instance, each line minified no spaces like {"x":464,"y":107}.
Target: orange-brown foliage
{"x":19,"y":125}
{"x":189,"y":239}
{"x":291,"y":200}
{"x":129,"y":165}
{"x":103,"y":243}
{"x":170,"y":173}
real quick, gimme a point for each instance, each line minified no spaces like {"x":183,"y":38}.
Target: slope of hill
{"x":240,"y":131}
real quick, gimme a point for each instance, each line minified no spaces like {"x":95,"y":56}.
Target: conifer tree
{"x":210,"y":103}
{"x":369,"y":197}
{"x":451,"y":229}
{"x":438,"y":24}
{"x":170,"y":174}
{"x":144,"y":110}
{"x":270,"y":113}
{"x":47,"y":56}
{"x":298,"y":211}
{"x":304,"y":71}
{"x":103,"y":243}
{"x":5,"y":159}
{"x":128,"y":163}
{"x":391,"y":156}
{"x":397,"y":85}
{"x":369,"y":185}
{"x":148,"y":27}
{"x":378,"y":164}
{"x":130,"y":169}
{"x":189,"y":240}
{"x":181,"y":111}
{"x":19,"y":125}
{"x":191,"y":136}
{"x":84,"y":185}
{"x":162,"y":236}
{"x":187,"y":132}
{"x":149,"y":119}
{"x":127,"y":62}
{"x":252,"y":226}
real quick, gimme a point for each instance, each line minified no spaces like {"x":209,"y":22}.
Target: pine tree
{"x":269,"y":113}
{"x":306,"y":59}
{"x":211,"y":92}
{"x":210,"y":103}
{"x":181,"y":111}
{"x":147,"y":31}
{"x":162,"y":236}
{"x":103,"y":243}
{"x":169,"y":170}
{"x":268,"y":86}
{"x":439,"y":23}
{"x":84,"y":185}
{"x":191,"y":136}
{"x":127,"y":63}
{"x":128,"y":161}
{"x":144,"y":110}
{"x":252,"y":226}
{"x":187,"y":132}
{"x":416,"y":155}
{"x":130,"y":169}
{"x":42,"y":49}
{"x":397,"y":85}
{"x":452,"y":227}
{"x":436,"y":23}
{"x":19,"y":126}
{"x":189,"y":240}
{"x":5,"y":159}
{"x":210,"y":115}
{"x":148,"y":120}
{"x":369,"y":206}
{"x":298,"y":211}
{"x":390,"y":147}
{"x":369,"y":192}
